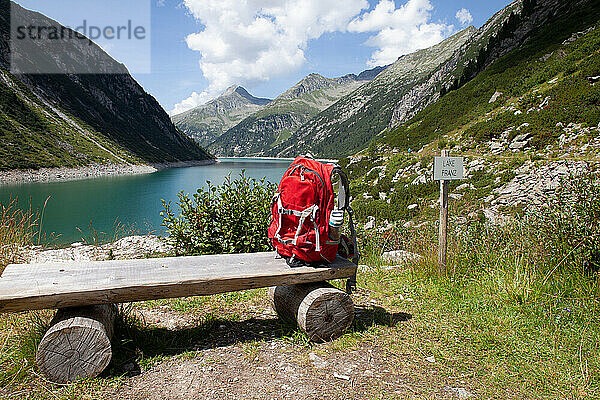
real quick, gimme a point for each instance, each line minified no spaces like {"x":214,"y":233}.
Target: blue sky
{"x":196,"y":48}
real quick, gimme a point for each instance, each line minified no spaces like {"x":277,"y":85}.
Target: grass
{"x":17,"y":229}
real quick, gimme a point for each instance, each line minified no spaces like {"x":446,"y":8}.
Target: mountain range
{"x":247,"y":125}
{"x":70,"y":120}
{"x":525,"y":115}
{"x":335,"y":118}
{"x":209,"y":121}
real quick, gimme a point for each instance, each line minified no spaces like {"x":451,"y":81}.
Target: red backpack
{"x":301,"y":208}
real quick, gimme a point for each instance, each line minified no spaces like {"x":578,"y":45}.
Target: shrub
{"x":230,"y":218}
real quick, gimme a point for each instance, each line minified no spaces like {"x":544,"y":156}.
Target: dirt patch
{"x":252,"y":359}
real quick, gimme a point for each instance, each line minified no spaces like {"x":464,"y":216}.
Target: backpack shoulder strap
{"x":344,"y":188}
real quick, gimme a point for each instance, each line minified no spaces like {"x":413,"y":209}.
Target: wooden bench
{"x":77,"y":345}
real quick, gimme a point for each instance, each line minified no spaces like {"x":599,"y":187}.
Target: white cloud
{"x":464,"y":16}
{"x":194,"y":100}
{"x":399,"y":30}
{"x":246,"y":42}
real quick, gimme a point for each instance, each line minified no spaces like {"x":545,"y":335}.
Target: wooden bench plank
{"x":70,"y":284}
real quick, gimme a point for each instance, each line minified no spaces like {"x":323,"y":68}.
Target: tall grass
{"x":19,"y":333}
{"x":94,"y":237}
{"x":18,"y":228}
{"x":553,"y":249}
{"x":521,"y":299}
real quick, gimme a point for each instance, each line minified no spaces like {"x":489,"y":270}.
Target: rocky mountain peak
{"x":371,"y":74}
{"x":308,"y":84}
{"x":231,"y":90}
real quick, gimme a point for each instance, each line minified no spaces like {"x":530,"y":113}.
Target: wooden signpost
{"x":445,"y":169}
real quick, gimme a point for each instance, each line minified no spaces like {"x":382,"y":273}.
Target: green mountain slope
{"x":209,"y":121}
{"x":352,"y":122}
{"x":526,"y":120}
{"x":260,"y":132}
{"x":548,"y":71}
{"x":50,"y":120}
{"x":355,"y":118}
{"x":33,"y":134}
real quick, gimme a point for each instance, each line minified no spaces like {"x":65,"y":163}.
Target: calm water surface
{"x":131,"y":202}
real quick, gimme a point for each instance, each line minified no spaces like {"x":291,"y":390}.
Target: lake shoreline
{"x":62,"y":174}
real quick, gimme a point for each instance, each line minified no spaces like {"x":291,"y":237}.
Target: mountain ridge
{"x":79,"y":119}
{"x":526,"y":124}
{"x":206,"y":122}
{"x":356,"y":119}
{"x":370,"y":101}
{"x":273,"y":124}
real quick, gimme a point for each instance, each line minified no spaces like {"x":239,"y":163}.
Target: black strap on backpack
{"x":344,"y":205}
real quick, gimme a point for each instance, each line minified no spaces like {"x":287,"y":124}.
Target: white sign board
{"x":448,"y":168}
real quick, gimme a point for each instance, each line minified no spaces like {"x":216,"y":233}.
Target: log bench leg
{"x":77,"y":345}
{"x":320,"y":310}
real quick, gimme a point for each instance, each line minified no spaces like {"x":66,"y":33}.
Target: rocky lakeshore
{"x":89,"y":171}
{"x":128,"y":247}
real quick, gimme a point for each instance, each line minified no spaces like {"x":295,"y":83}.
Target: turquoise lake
{"x":131,"y":202}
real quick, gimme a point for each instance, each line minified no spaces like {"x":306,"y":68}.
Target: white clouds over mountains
{"x":249,"y":41}
{"x":399,"y":30}
{"x":252,"y":41}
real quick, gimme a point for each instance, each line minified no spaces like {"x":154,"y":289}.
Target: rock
{"x":386,"y":225}
{"x":401,"y":256}
{"x":495,"y":97}
{"x":412,"y":206}
{"x":532,"y":185}
{"x":317,"y":361}
{"x":125,"y":248}
{"x":465,"y":186}
{"x":593,"y":79}
{"x":496,"y":148}
{"x":341,"y":376}
{"x":520,"y":141}
{"x":461,"y":393}
{"x":364,"y":268}
{"x":517,"y":145}
{"x":419,"y":180}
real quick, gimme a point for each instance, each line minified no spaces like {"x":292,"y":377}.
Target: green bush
{"x":230,"y":218}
